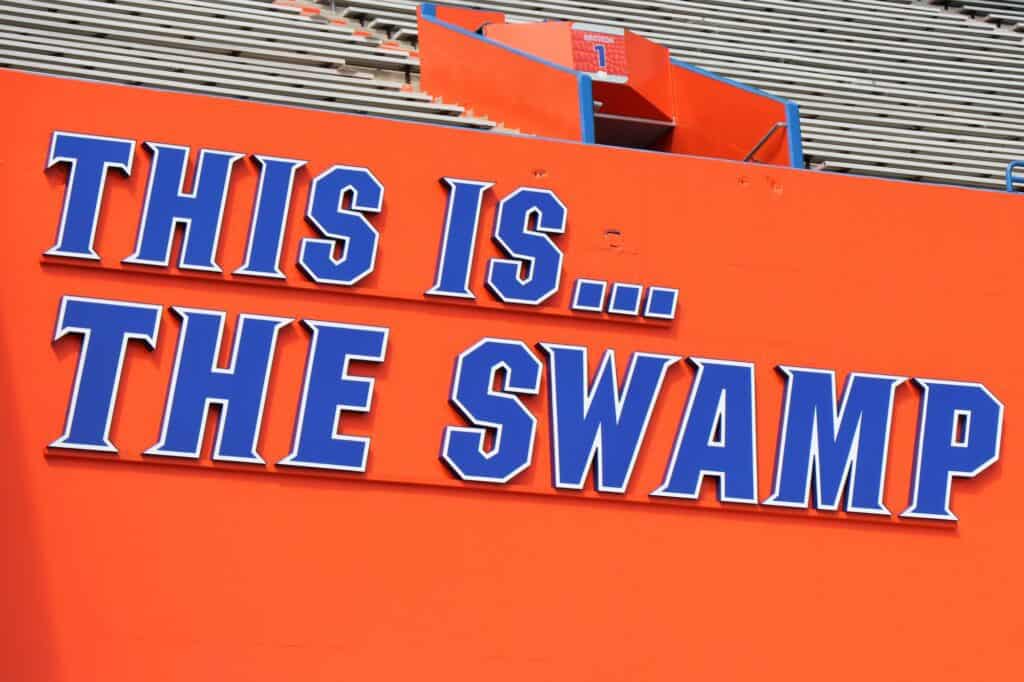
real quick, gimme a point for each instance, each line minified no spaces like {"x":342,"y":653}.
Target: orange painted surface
{"x":649,"y":70}
{"x":550,"y":40}
{"x":530,"y":96}
{"x":717,"y":119}
{"x":649,"y":92}
{"x":469,"y":19}
{"x":114,"y":568}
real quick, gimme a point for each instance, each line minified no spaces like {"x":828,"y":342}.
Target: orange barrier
{"x":134,"y":566}
{"x":550,"y":41}
{"x":719,"y":117}
{"x":651,"y":102}
{"x":469,"y":19}
{"x":649,"y":92}
{"x":535,"y":96}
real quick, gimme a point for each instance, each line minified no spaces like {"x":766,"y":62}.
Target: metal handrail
{"x":1011,"y":178}
{"x":767,"y":136}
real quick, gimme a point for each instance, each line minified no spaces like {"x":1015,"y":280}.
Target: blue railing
{"x":1012,"y":177}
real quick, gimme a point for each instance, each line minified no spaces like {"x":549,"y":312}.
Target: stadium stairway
{"x":929,"y":91}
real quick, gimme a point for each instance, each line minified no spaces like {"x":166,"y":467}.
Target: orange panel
{"x":550,"y":40}
{"x":722,"y":119}
{"x":120,"y":567}
{"x":532,"y":95}
{"x":649,"y":73}
{"x":469,"y":19}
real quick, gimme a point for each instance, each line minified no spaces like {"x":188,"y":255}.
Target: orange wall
{"x":116,"y":568}
{"x":550,"y":40}
{"x":718,"y":119}
{"x":469,"y":19}
{"x":649,"y":93}
{"x":534,"y":97}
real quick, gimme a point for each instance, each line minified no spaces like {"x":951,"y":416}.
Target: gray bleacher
{"x":925,"y":90}
{"x":1003,"y":12}
{"x":894,"y":88}
{"x":249,"y":49}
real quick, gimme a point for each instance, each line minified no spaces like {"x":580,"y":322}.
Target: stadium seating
{"x":1003,"y":12}
{"x":892,"y":88}
{"x":252,"y":50}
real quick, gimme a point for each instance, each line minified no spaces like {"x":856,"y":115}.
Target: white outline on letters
{"x":916,"y":483}
{"x":225,"y":405}
{"x":847,"y":483}
{"x":62,"y":225}
{"x":369,"y":382}
{"x":661,"y":490}
{"x":577,"y":288}
{"x":86,"y":334}
{"x":518,"y":259}
{"x":156,"y":148}
{"x":356,"y":209}
{"x":507,"y":391}
{"x":442,"y":256}
{"x":607,"y":364}
{"x":244,"y":269}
